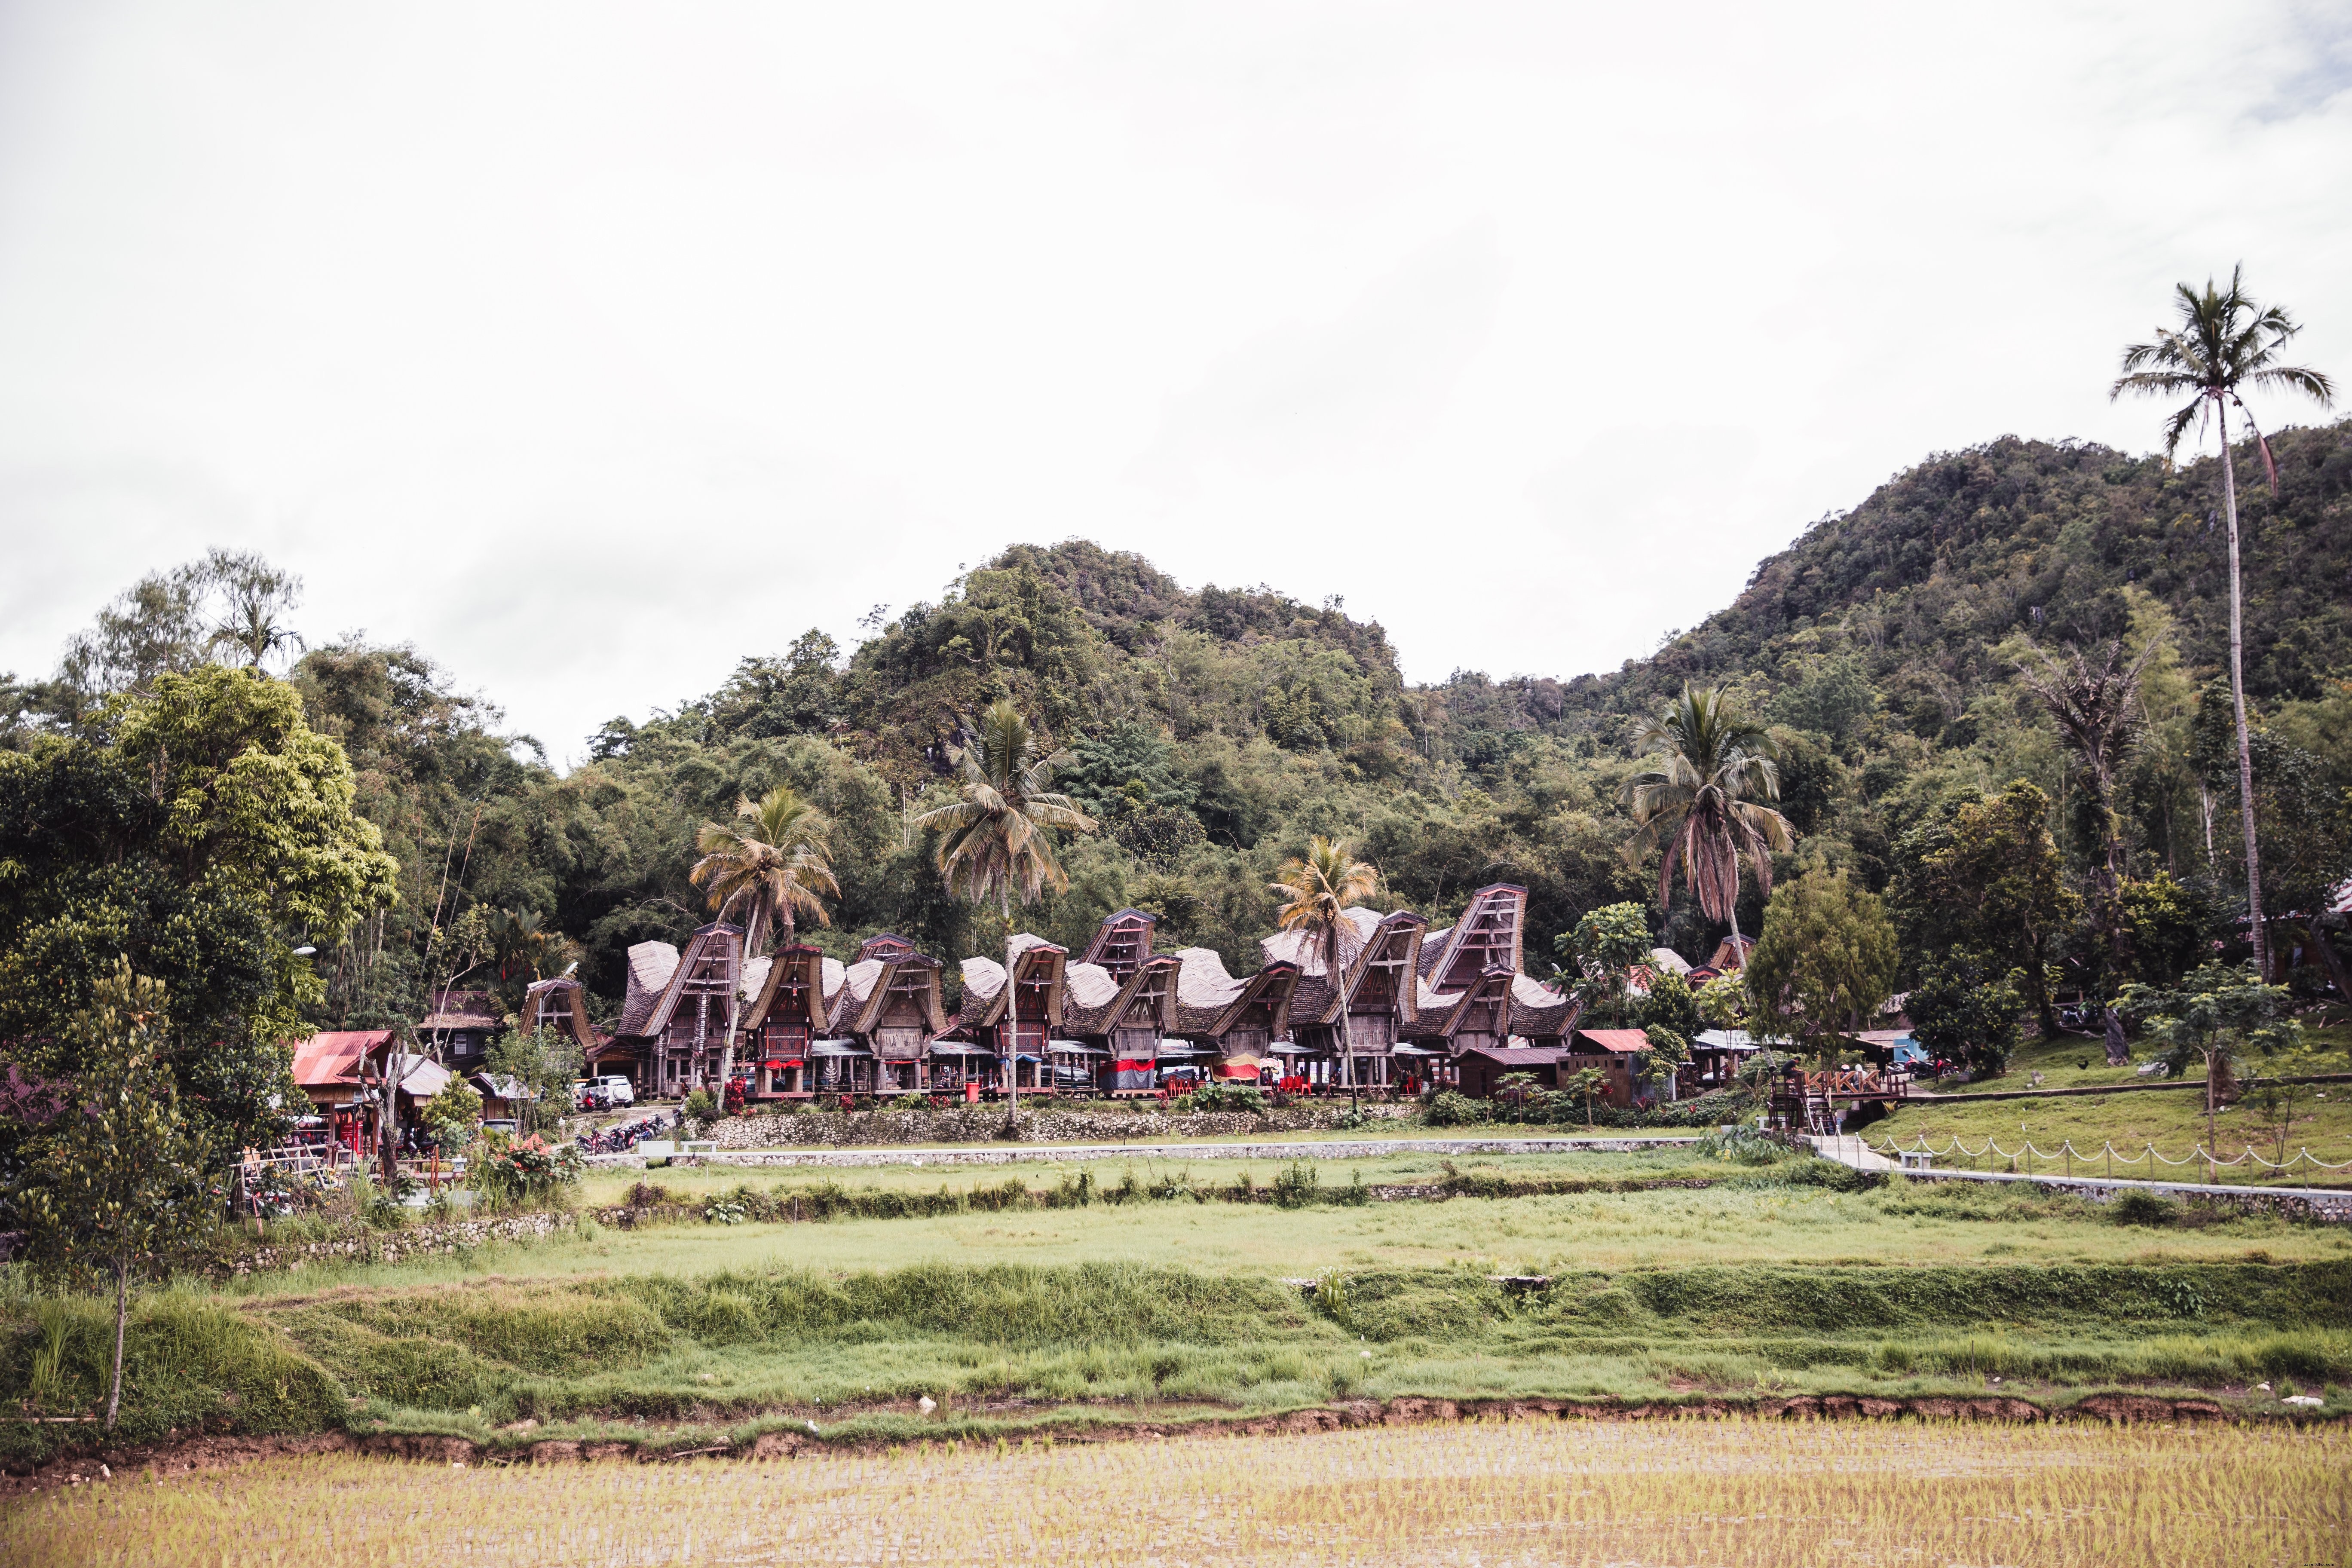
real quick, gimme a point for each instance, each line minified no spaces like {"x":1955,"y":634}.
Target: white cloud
{"x":592,"y":347}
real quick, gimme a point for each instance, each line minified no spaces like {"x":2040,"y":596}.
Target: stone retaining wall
{"x":2328,"y":1205}
{"x":992,"y":1124}
{"x":390,"y":1245}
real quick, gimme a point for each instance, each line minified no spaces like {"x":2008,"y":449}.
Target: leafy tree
{"x":522,"y":950}
{"x":2217,"y":1013}
{"x":204,"y":832}
{"x":453,"y":1118}
{"x":993,"y":842}
{"x":1983,"y":878}
{"x":1586,"y":1084}
{"x":2169,"y":930}
{"x":1722,"y":1002}
{"x":799,"y":694}
{"x":1130,"y":768}
{"x":1601,"y":952}
{"x":1694,"y":809}
{"x":1671,"y":1006}
{"x":779,"y":867}
{"x":2224,"y":342}
{"x":1316,"y":890}
{"x":545,"y":1061}
{"x":1826,"y":959}
{"x":1962,"y":1010}
{"x":118,"y":1190}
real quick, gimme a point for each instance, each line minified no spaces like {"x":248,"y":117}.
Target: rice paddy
{"x":1491,"y":1493}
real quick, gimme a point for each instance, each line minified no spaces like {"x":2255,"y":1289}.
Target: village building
{"x":1119,"y":1004}
{"x":1239,"y":1027}
{"x":460,"y":1027}
{"x":1483,"y":1068}
{"x":1017,"y":1030}
{"x":884,"y":1021}
{"x":559,"y":1006}
{"x":793,"y":992}
{"x":1351,"y":1024}
{"x":676,"y":1016}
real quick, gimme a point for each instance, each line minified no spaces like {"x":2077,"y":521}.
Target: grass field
{"x":1768,"y":1283}
{"x":1727,"y":1493}
{"x":1752,"y":1217}
{"x":2173,"y":1121}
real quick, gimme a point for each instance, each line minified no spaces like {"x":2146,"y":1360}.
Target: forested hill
{"x":1211,"y":730}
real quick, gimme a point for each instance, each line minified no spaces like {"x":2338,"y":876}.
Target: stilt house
{"x":1236,"y":1023}
{"x":987,"y":1019}
{"x":1374,"y":992}
{"x":675,"y":1020}
{"x":888,"y":1011}
{"x":793,"y":992}
{"x":1119,"y":1000}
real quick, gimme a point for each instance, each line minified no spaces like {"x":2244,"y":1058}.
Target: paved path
{"x":1849,"y":1150}
{"x":2330,"y":1204}
{"x":1079,"y":1153}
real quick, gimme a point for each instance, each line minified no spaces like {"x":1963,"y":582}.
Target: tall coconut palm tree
{"x":1317,"y":889}
{"x":776,"y":859}
{"x":2222,"y":341}
{"x":1695,"y":805}
{"x":993,"y":842}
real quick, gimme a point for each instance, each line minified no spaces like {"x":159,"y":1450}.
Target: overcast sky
{"x":592,"y":347}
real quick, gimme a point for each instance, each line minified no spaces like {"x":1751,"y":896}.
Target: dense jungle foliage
{"x":1213,"y":731}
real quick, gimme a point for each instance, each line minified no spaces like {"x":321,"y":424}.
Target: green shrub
{"x":1295,"y":1187}
{"x":2143,"y":1208}
{"x":1452,"y":1107}
{"x":1245,"y":1097}
{"x":701,"y":1107}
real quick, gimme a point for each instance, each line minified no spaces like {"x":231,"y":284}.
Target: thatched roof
{"x":561,"y":1004}
{"x":1540,"y":1011}
{"x":1210,"y":1002}
{"x":651,"y":965}
{"x":1096,"y":1002}
{"x":1037,"y":962}
{"x":1387,"y":945}
{"x":474,"y":1010}
{"x":822,"y":979}
{"x":1122,"y":942}
{"x":868,"y":984}
{"x":1489,"y":935}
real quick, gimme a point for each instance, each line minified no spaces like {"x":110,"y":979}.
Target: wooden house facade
{"x":460,"y":1027}
{"x":1120,"y":1003}
{"x":1234,"y":1025}
{"x":793,"y":992}
{"x":1349,"y":1025}
{"x":559,"y":1006}
{"x":675,"y":1020}
{"x":888,"y":1014}
{"x":1008,"y":1033}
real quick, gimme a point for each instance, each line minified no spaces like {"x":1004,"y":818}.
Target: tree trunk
{"x":2212,"y":1065}
{"x":1347,"y":1034}
{"x":122,"y":1323}
{"x":2329,"y":959}
{"x":2118,"y":1049}
{"x":734,"y":1016}
{"x":1013,"y":1010}
{"x":2238,"y":706}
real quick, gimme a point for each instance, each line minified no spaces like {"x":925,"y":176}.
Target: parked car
{"x":603,"y":1093}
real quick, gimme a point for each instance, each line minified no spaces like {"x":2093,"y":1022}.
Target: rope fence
{"x":2104,"y":1159}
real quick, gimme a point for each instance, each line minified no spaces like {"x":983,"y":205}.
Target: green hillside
{"x":1211,"y":730}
